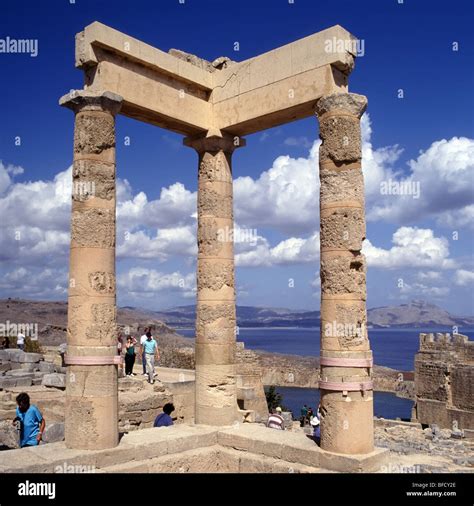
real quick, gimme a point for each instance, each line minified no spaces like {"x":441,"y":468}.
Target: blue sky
{"x":417,"y":248}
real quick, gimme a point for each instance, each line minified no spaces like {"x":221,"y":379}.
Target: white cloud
{"x":429,"y":276}
{"x":284,"y":197}
{"x":165,"y":242}
{"x":463,"y":277}
{"x":288,"y":252}
{"x":413,"y":247}
{"x":140,"y":282}
{"x":424,"y":290}
{"x":302,"y":141}
{"x":445,"y":175}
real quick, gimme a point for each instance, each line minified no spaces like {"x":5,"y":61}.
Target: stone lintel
{"x":271,"y":89}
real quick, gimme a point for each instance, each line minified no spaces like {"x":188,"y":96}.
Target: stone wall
{"x":444,"y":380}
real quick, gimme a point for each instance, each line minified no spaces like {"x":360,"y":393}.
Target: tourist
{"x":130,"y":355}
{"x":316,"y":426}
{"x":275,"y":420}
{"x":119,"y":351}
{"x":151,"y":350}
{"x":315,"y":423}
{"x":142,"y":350}
{"x":309,"y":415}
{"x":304,"y":414}
{"x":31,"y":421}
{"x":20,"y":341}
{"x":6,"y":343}
{"x":165,"y":420}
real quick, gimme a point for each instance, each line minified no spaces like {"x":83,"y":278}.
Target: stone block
{"x":54,"y":380}
{"x":5,"y":367}
{"x":47,"y":367}
{"x":13,"y":354}
{"x":21,"y":373}
{"x":54,"y":433}
{"x":30,"y":357}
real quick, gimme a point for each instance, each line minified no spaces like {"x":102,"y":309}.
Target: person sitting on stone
{"x":275,"y":420}
{"x":164,"y":419}
{"x":31,"y":421}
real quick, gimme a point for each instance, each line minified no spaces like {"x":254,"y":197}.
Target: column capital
{"x":346,"y":103}
{"x":214,"y":143}
{"x":79,"y":100}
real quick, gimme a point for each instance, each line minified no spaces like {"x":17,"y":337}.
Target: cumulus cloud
{"x":419,"y":289}
{"x":463,"y":277}
{"x":141,"y":282}
{"x":35,"y":283}
{"x":291,"y":251}
{"x":413,"y":247}
{"x":444,"y":174}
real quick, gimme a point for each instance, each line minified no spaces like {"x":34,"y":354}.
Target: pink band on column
{"x":93,"y":360}
{"x":349,"y":386}
{"x":346,"y":362}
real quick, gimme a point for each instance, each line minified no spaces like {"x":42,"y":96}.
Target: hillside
{"x":414,"y":314}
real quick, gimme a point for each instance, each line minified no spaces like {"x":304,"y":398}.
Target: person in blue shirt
{"x":165,"y":420}
{"x":151,"y":351}
{"x":31,"y":421}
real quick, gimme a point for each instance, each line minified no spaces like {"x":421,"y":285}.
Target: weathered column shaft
{"x":216,"y":399}
{"x":91,"y":414}
{"x":346,"y":359}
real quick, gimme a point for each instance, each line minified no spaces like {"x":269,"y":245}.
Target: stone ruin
{"x":214,"y":106}
{"x":444,"y":379}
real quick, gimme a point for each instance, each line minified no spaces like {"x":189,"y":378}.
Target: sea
{"x":394,"y":348}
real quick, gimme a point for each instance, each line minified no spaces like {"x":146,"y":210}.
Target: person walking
{"x":142,"y":349}
{"x":130,"y":355}
{"x":30,"y":420}
{"x":151,"y":351}
{"x":20,"y":341}
{"x":164,"y":419}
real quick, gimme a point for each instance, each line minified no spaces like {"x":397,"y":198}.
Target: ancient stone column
{"x":91,"y":414}
{"x":346,"y":359}
{"x":216,"y":399}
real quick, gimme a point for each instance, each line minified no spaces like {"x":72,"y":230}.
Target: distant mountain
{"x":51,"y":317}
{"x":415,"y":314}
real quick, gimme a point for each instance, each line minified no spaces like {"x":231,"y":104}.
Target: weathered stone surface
{"x":343,"y":274}
{"x":215,"y":168}
{"x":208,"y":238}
{"x":213,"y":203}
{"x":47,"y":367}
{"x":103,"y":327}
{"x":215,"y":275}
{"x":341,"y":185}
{"x":30,"y":357}
{"x":54,"y":380}
{"x":12,"y":354}
{"x":349,"y":103}
{"x":93,"y":228}
{"x":341,"y":139}
{"x":343,"y":228}
{"x":94,"y":132}
{"x":93,"y":179}
{"x":53,"y":433}
{"x":102,"y":282}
